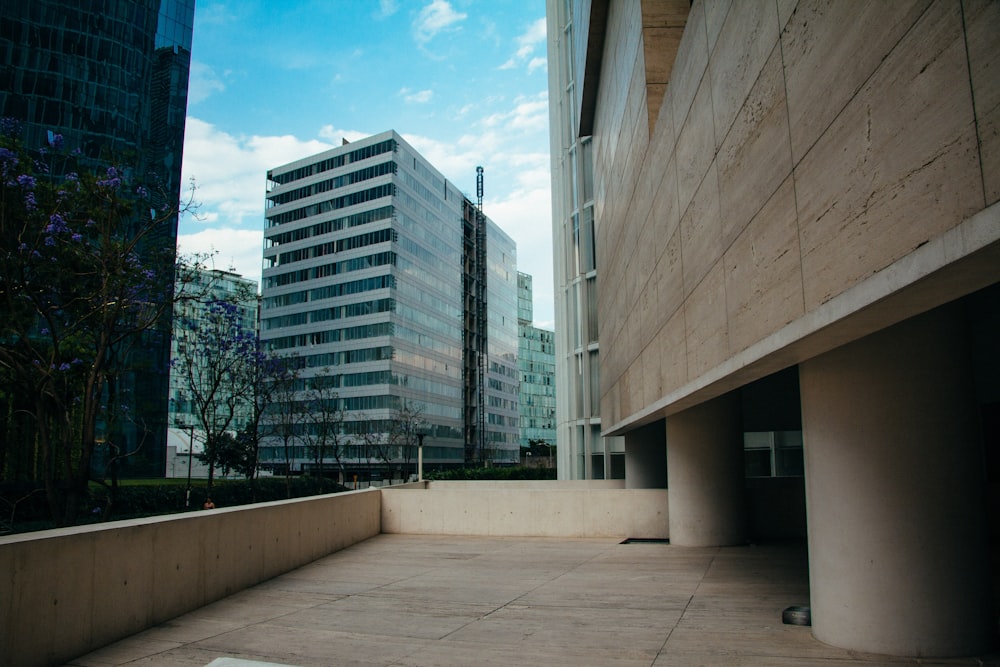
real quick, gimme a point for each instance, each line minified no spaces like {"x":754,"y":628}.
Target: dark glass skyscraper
{"x":111,"y":77}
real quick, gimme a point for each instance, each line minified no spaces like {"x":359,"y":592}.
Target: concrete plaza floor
{"x":434,"y":600}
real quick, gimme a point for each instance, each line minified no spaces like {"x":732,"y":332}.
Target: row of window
{"x":387,"y":258}
{"x":331,"y":247}
{"x":503,"y":387}
{"x":345,"y":357}
{"x":438,"y":344}
{"x":412,"y":382}
{"x":330,"y":291}
{"x":352,"y":287}
{"x":504,"y":370}
{"x":363,"y":153}
{"x":351,"y":178}
{"x":334,"y":313}
{"x":433,"y":200}
{"x":328,"y":226}
{"x":331,"y":336}
{"x":360,"y":197}
{"x":366,"y":426}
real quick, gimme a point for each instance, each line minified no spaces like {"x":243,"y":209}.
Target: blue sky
{"x":464,"y":81}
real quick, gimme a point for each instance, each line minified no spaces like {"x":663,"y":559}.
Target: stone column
{"x":646,"y":457}
{"x":705,"y":474}
{"x":895,"y":493}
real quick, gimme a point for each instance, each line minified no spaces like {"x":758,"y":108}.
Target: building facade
{"x":536,"y":365}
{"x":111,"y":77}
{"x":798,"y":231}
{"x":184,"y":434}
{"x":584,"y":452}
{"x":372,"y":264}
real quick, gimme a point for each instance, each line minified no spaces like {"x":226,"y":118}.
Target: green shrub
{"x":496,"y":474}
{"x":141,"y":498}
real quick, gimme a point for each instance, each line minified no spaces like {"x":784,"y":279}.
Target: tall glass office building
{"x":536,"y":359}
{"x":369,"y":277}
{"x":202,"y":288}
{"x":111,"y":77}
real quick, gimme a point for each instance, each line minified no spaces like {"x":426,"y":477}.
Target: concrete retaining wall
{"x":66,"y":592}
{"x":534,"y":509}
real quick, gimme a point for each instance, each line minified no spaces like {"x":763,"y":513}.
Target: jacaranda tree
{"x":84,"y":277}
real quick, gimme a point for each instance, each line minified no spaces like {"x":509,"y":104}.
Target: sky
{"x":463,"y":81}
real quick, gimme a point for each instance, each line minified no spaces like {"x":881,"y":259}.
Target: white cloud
{"x":526,"y":214}
{"x":203,"y":82}
{"x":386,"y":8}
{"x":418,"y":97}
{"x":216,"y":14}
{"x":237,"y":250}
{"x":528,"y":114}
{"x":337,"y":136}
{"x":527,"y":42}
{"x":517,"y":187}
{"x":536,"y":63}
{"x":437,"y":17}
{"x":511,"y":144}
{"x":230,"y":171}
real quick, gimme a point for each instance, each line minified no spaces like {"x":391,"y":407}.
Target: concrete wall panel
{"x":66,"y":592}
{"x":494,"y":509}
{"x":763,"y":279}
{"x":830,"y":49}
{"x":982,"y":23}
{"x":121,"y":563}
{"x":705,"y":323}
{"x":695,"y":146}
{"x":754,"y":158}
{"x":848,"y":139}
{"x":897,"y":167}
{"x":701,"y":232}
{"x":747,"y":40}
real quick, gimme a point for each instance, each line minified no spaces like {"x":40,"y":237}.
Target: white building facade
{"x":583,"y":452}
{"x":364,"y":281}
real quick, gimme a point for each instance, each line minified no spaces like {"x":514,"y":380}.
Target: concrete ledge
{"x":66,"y":592}
{"x":532,"y":509}
{"x":542,"y":484}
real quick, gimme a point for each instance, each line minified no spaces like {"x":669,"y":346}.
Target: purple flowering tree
{"x":217,"y":364}
{"x":82,"y":282}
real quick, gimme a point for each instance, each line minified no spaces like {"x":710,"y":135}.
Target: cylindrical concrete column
{"x":894,"y":493}
{"x":705,"y":474}
{"x":646,"y":457}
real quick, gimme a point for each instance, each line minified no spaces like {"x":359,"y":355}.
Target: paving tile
{"x":464,"y":653}
{"x":388,"y":616}
{"x":488,"y":601}
{"x":640,"y":630}
{"x":311,"y":646}
{"x":124,"y":651}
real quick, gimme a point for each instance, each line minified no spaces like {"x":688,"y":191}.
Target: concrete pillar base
{"x":705,"y":474}
{"x":895,"y":493}
{"x":646,"y":457}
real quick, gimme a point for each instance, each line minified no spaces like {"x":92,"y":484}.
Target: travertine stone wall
{"x":810,"y":161}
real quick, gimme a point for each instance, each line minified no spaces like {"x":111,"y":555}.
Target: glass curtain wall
{"x":111,"y":77}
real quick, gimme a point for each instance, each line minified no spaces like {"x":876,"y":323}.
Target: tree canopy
{"x":85,"y":280}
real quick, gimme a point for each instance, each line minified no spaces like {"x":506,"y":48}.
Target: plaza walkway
{"x":432,"y":600}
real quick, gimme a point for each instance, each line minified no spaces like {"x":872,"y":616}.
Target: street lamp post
{"x":187,"y":496}
{"x":420,"y":457}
